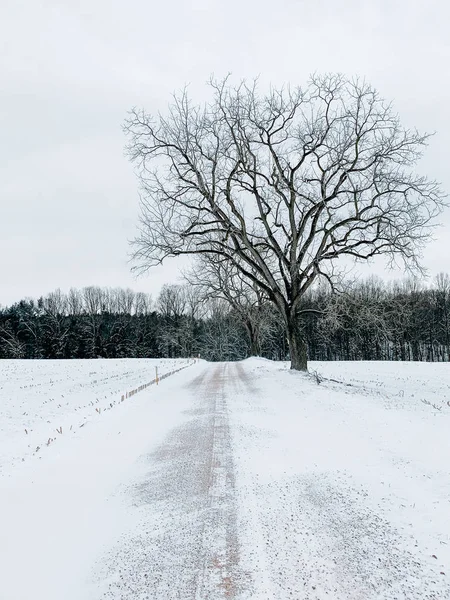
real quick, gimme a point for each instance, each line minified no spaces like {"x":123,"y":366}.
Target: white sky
{"x":69,"y":71}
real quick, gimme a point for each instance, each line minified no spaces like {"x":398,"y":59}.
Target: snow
{"x":236,"y":480}
{"x":57,"y":507}
{"x":39,"y":397}
{"x":349,"y":484}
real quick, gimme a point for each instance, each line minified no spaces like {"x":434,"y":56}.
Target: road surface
{"x":187,"y":543}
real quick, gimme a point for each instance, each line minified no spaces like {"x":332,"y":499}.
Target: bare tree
{"x":441,"y":297}
{"x":74,"y":302}
{"x":171,"y":305}
{"x":221,"y":339}
{"x":218,"y":278}
{"x":12,"y":346}
{"x":359,"y":315}
{"x":171,"y":301}
{"x":143,"y":303}
{"x":126,"y":300}
{"x":55,"y":303}
{"x":282,"y":186}
{"x":55,"y":306}
{"x":94,"y":299}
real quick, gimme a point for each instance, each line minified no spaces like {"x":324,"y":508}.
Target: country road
{"x":241,"y":481}
{"x":187,"y":544}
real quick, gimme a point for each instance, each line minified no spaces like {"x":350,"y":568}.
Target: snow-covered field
{"x":401,"y":384}
{"x":242,"y":480}
{"x":43,"y":400}
{"x":57,"y":508}
{"x":347,"y":484}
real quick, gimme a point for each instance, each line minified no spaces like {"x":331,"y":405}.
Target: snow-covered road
{"x":243,"y":481}
{"x":186,"y":543}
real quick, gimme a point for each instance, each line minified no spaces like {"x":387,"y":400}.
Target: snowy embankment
{"x":344,"y":485}
{"x":42,"y":401}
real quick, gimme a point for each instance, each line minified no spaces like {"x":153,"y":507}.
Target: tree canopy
{"x":282,"y":185}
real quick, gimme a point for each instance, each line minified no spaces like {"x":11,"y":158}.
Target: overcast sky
{"x":70,"y":70}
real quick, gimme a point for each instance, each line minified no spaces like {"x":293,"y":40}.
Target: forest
{"x":368,"y":320}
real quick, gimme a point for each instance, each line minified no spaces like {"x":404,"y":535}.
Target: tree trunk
{"x":254,"y":343}
{"x":253,"y":338}
{"x":297,"y":345}
{"x":254,"y":348}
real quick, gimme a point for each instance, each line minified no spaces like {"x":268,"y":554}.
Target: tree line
{"x":368,"y":320}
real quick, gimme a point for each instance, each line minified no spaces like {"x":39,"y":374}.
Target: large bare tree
{"x":281,"y":185}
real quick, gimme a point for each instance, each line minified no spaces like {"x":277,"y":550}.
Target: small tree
{"x":171,"y":305}
{"x":282,"y":186}
{"x":220,"y":279}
